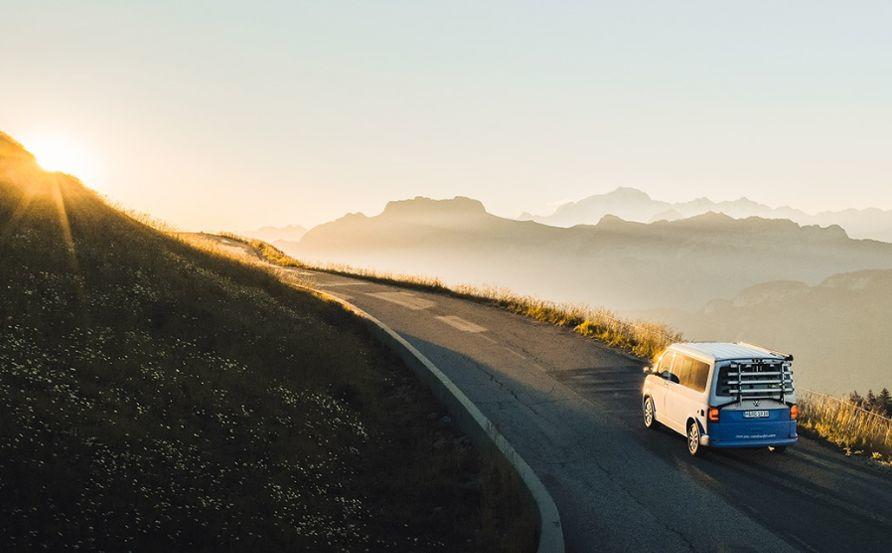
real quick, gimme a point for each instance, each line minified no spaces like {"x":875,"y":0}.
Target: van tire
{"x":649,"y":413}
{"x":693,"y":439}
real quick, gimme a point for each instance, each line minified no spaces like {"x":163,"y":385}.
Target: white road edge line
{"x":471,"y":420}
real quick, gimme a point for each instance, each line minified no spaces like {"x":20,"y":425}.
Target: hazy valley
{"x":838,"y":329}
{"x":797,"y":288}
{"x":619,"y":264}
{"x":278,"y":236}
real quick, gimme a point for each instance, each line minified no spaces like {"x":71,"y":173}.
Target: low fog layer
{"x":279,"y":236}
{"x":675,"y":267}
{"x":839,"y":330}
{"x":619,"y":264}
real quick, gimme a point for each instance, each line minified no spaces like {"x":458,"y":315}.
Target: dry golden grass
{"x":846,"y":424}
{"x":640,"y":338}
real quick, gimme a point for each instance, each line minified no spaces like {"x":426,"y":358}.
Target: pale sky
{"x":232,"y":115}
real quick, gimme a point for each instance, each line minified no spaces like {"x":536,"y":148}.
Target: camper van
{"x":723,"y":395}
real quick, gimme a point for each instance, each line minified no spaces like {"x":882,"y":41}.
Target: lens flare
{"x":55,"y":153}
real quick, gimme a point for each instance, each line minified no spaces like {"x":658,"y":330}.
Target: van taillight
{"x":713,"y":414}
{"x":794,"y":412}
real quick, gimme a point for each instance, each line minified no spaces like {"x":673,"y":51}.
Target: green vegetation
{"x":880,"y":404}
{"x":641,"y":338}
{"x":157,"y":397}
{"x":847,"y":424}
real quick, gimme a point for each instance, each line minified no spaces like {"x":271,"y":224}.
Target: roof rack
{"x":786,"y":356}
{"x":765,"y":379}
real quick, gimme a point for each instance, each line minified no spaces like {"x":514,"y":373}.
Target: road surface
{"x":571,"y":407}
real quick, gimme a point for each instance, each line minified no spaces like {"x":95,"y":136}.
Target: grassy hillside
{"x":154,"y":397}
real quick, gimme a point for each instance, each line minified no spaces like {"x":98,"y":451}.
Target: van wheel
{"x":777,"y":449}
{"x":650,"y":420}
{"x":694,"y":447}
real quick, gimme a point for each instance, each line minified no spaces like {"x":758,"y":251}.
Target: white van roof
{"x":723,"y":351}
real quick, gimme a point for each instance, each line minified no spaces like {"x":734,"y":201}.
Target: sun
{"x":56,"y":153}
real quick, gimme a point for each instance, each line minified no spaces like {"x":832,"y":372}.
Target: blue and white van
{"x":723,"y":395}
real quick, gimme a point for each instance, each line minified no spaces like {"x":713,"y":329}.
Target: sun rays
{"x":56,"y":153}
{"x":59,"y":202}
{"x":35,"y":193}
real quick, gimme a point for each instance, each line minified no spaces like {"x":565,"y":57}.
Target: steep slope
{"x":155,"y":397}
{"x":634,"y":205}
{"x":620,"y":264}
{"x":839,"y":330}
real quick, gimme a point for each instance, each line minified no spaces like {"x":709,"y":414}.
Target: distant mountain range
{"x":807,"y":289}
{"x":278,"y":236}
{"x":838,"y":330}
{"x":620,"y":264}
{"x":634,"y":205}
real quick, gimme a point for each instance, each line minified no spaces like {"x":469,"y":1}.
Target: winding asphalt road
{"x":570,"y":407}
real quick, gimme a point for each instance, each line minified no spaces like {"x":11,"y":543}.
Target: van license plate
{"x":755,"y":414}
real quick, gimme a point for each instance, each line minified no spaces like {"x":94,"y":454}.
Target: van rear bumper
{"x":762,"y":434}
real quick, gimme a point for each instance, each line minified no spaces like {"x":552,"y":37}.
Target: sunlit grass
{"x":640,"y":338}
{"x":846,"y":425}
{"x":160,"y":397}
